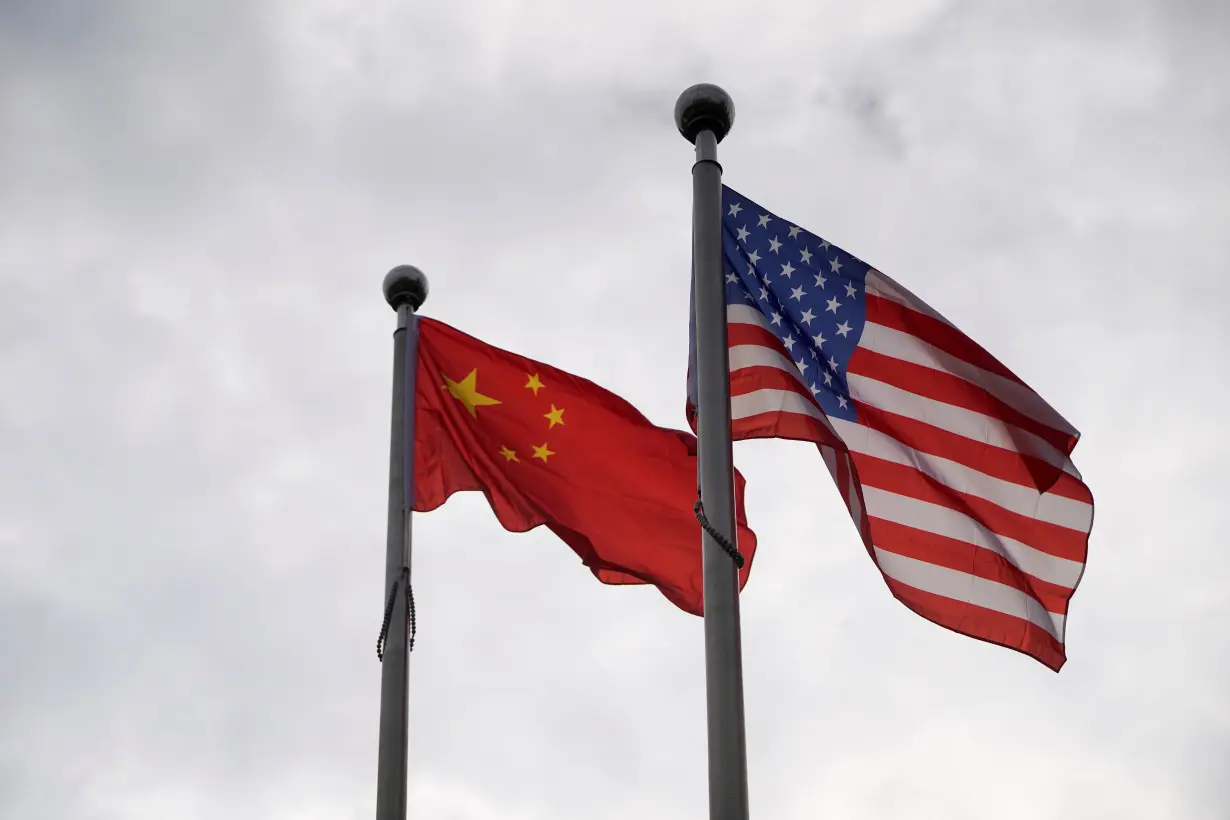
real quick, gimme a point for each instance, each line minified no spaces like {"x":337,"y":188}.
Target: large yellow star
{"x":534,"y":383}
{"x":466,"y":392}
{"x":542,"y":452}
{"x":556,"y":416}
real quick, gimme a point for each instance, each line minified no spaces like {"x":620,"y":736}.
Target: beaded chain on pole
{"x":698,"y":509}
{"x":411,"y":626}
{"x":730,"y":549}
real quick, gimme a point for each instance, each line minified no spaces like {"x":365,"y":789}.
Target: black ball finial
{"x":704,"y":107}
{"x":405,"y":284}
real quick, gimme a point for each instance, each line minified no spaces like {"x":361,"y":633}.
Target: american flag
{"x":956,"y":474}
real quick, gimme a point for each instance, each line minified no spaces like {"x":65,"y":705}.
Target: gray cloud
{"x":198,"y":204}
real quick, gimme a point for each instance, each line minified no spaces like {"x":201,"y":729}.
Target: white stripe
{"x":772,"y":400}
{"x":939,"y":520}
{"x":961,"y":586}
{"x":742,"y":356}
{"x":849,"y":493}
{"x":830,"y":459}
{"x":760,"y":354}
{"x":880,"y":284}
{"x":851,"y":490}
{"x":898,"y":344}
{"x":746,"y":315}
{"x":968,"y":423}
{"x":1053,"y":509}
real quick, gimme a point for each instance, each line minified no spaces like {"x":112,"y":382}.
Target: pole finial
{"x":704,"y":107}
{"x":405,"y":285}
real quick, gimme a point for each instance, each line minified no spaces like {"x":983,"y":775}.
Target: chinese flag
{"x":547,"y":447}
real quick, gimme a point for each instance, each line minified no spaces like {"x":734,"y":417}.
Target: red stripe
{"x":938,"y":334}
{"x":793,"y":426}
{"x":963,"y":557}
{"x":753,"y":336}
{"x":750,"y":379}
{"x":905,"y":480}
{"x":984,"y":624}
{"x":985,"y":458}
{"x":740,"y":333}
{"x":954,"y":390}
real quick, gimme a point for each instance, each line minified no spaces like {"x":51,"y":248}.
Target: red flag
{"x":548,"y":447}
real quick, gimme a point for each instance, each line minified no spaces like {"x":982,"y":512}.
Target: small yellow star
{"x":466,"y":392}
{"x":508,"y":453}
{"x":556,"y":416}
{"x":542,"y":452}
{"x":534,"y":383}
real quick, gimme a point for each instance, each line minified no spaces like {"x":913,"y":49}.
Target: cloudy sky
{"x":197,"y":204}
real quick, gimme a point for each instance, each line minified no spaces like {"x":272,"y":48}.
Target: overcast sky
{"x":197,"y":204}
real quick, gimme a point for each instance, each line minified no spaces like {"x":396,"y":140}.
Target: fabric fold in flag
{"x":957,"y":475}
{"x":550,"y":448}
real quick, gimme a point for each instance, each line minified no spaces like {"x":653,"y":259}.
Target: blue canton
{"x":810,"y":292}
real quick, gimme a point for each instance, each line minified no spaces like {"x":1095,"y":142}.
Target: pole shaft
{"x":723,"y":652}
{"x":394,"y":673}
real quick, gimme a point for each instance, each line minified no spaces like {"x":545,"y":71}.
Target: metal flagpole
{"x":405,"y":289}
{"x":704,"y":114}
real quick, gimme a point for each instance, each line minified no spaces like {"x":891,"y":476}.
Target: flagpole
{"x":704,"y":114}
{"x":405,"y":289}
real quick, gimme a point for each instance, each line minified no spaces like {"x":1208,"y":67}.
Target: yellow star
{"x":542,"y":452}
{"x":508,"y":453}
{"x":556,"y":416}
{"x":466,"y":392}
{"x":534,"y":383}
